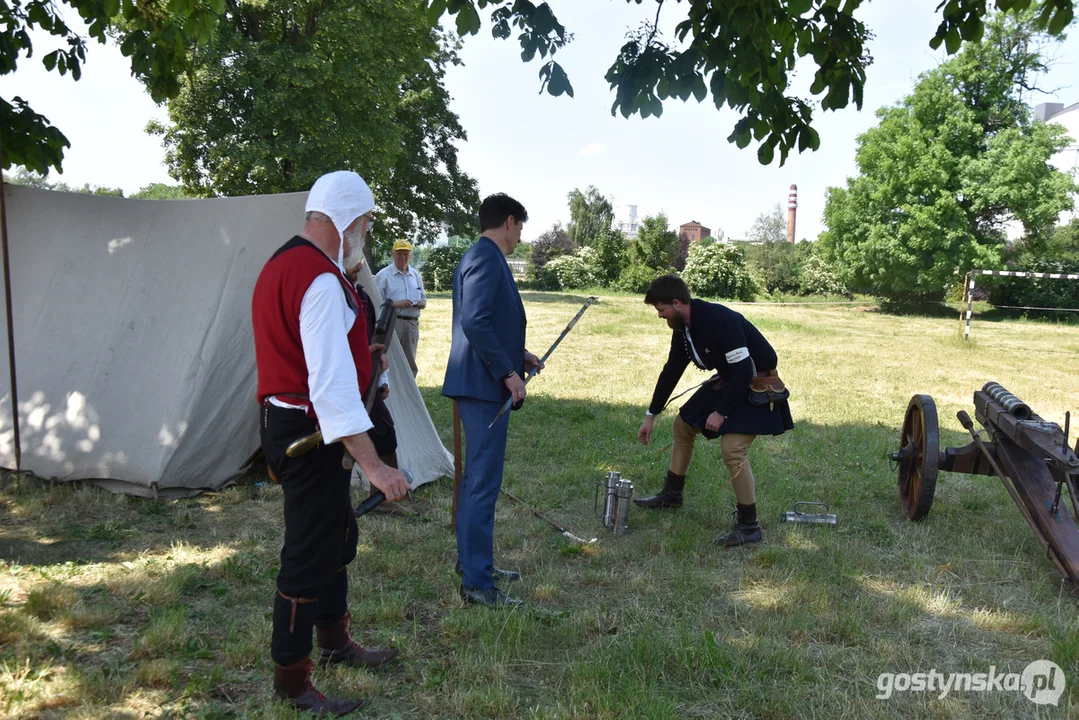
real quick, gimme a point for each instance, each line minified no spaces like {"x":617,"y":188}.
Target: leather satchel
{"x":767,"y":388}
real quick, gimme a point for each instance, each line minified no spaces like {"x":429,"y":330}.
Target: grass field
{"x":119,"y":607}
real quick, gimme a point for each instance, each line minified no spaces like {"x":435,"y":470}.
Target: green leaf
{"x":719,"y":88}
{"x":50,"y":60}
{"x":468,"y":20}
{"x":799,"y":7}
{"x":700,"y":90}
{"x":952,"y":40}
{"x":1063,"y":17}
{"x":765,"y":153}
{"x":435,"y":10}
{"x":973,"y":29}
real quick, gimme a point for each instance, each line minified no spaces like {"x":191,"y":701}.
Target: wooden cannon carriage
{"x":1029,"y":455}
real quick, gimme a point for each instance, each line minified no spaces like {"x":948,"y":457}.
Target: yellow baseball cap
{"x":402,"y":245}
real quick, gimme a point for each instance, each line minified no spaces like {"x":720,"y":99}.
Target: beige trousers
{"x":408,"y":332}
{"x":734,"y":448}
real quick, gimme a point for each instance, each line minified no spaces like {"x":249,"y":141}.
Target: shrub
{"x":777,"y":264}
{"x":551,"y":244}
{"x":609,"y":257}
{"x":571,"y":271}
{"x":1057,"y":254}
{"x":818,"y":278}
{"x":718,"y":271}
{"x":635,"y":278}
{"x":1038,"y":292}
{"x":441,"y":263}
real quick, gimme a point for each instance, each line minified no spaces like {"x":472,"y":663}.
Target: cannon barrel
{"x":1008,"y":401}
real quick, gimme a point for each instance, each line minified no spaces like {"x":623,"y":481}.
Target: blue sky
{"x":538,"y":148}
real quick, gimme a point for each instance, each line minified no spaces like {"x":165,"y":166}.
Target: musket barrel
{"x":1008,"y":401}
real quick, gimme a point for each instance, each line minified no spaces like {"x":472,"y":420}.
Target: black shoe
{"x":746,"y":528}
{"x":669,"y":497}
{"x":504,"y":576}
{"x":665,"y":499}
{"x":741,"y":535}
{"x":490,"y":597}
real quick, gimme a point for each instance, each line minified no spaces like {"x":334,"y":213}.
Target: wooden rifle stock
{"x":384,"y":325}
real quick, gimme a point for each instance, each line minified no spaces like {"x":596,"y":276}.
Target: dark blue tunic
{"x":726,"y":342}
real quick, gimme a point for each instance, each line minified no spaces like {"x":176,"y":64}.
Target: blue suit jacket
{"x":488,"y":326}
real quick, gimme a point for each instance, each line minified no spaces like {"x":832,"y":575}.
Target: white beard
{"x":355,"y":254}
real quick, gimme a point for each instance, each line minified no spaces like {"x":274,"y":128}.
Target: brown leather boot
{"x":292,"y":683}
{"x":335,"y":645}
{"x":669,"y":497}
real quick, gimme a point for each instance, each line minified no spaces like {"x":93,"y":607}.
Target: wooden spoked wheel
{"x":918,"y":457}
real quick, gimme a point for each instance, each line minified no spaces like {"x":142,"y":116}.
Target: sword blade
{"x":532,"y":373}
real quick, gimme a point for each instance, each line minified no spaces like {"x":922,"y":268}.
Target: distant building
{"x":1067,"y":160}
{"x":694,"y":231}
{"x":628,"y":222}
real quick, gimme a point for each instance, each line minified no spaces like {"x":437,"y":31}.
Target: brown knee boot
{"x":335,"y":645}
{"x":292,"y":683}
{"x":669,"y":497}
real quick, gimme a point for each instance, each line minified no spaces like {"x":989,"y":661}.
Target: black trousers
{"x":320,"y":533}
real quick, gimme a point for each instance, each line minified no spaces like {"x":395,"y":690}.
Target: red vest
{"x":275,"y":316}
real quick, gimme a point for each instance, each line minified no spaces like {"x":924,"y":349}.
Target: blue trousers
{"x":485,"y":455}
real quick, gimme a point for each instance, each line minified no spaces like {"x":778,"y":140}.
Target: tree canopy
{"x":769,"y":227}
{"x":741,"y":52}
{"x":591,"y":214}
{"x":945,"y":170}
{"x":285,"y":91}
{"x":155,"y":35}
{"x":29,"y":178}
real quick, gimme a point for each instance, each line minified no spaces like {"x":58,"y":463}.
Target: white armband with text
{"x":737,"y":355}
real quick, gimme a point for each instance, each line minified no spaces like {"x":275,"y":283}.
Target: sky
{"x":537,"y":147}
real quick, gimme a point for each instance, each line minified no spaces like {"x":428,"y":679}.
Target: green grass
{"x":121,"y":607}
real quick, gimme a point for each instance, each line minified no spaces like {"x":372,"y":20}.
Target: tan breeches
{"x":734,"y":448}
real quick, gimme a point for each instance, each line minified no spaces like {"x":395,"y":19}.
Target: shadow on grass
{"x":559,"y":449}
{"x":659,"y":622}
{"x":535,"y":296}
{"x":914,"y":309}
{"x":1009,"y":315}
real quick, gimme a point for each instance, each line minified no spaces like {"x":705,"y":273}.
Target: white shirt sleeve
{"x":325,"y":319}
{"x":419,"y":284}
{"x":382,"y":281}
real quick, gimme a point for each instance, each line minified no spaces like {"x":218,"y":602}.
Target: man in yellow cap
{"x":402,"y":284}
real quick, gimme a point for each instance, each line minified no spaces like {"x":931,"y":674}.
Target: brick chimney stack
{"x":792,"y":212}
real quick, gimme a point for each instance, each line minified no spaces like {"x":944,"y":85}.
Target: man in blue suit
{"x":487,"y":365}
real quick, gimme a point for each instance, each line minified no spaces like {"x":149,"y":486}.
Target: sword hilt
{"x":304,"y":445}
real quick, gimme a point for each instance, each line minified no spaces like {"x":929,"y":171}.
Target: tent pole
{"x":10,"y":325}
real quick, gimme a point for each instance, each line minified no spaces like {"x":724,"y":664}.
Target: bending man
{"x":717,"y":338}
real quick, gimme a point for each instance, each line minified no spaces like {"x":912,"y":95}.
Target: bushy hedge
{"x":818,"y":278}
{"x":441,"y":263}
{"x":1038,"y":292}
{"x":718,"y":271}
{"x":1057,"y":254}
{"x":635,"y":278}
{"x":571,"y":271}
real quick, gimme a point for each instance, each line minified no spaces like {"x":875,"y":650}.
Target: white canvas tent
{"x":134,"y":352}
